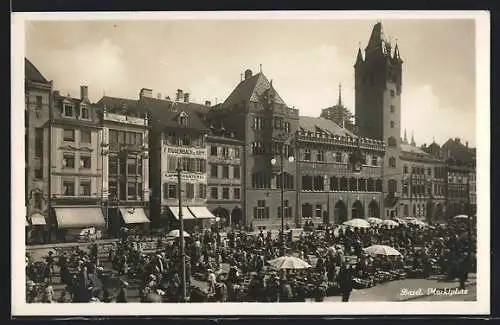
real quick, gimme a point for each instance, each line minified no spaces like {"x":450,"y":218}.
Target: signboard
{"x":185,"y":176}
{"x":186,"y":151}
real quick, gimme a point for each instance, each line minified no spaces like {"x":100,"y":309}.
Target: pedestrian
{"x":122,"y":294}
{"x":345,"y":280}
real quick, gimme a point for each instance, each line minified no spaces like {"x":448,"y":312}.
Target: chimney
{"x":467,"y":144}
{"x":84,"y":92}
{"x":158,"y":95}
{"x":248,"y":74}
{"x":457,"y":140}
{"x":179,"y":95}
{"x":186,"y":97}
{"x":146,"y":92}
{"x":208,"y":103}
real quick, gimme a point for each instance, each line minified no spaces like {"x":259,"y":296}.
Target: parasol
{"x":357,"y":222}
{"x":381,"y":250}
{"x":289,"y":262}
{"x":461,"y":216}
{"x":374,"y":221}
{"x":176,"y":233}
{"x":417,"y":222}
{"x":390,"y":223}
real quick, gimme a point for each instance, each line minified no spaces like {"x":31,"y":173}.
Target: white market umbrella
{"x":417,"y":222}
{"x":382,"y":250}
{"x":461,"y":216}
{"x":374,"y":221}
{"x":176,"y":233}
{"x":357,"y":222}
{"x":390,"y":223}
{"x":289,"y":262}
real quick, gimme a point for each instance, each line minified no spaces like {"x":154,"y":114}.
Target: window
{"x":172,"y":191}
{"x":261,"y":180}
{"x":138,"y":139}
{"x":261,"y":211}
{"x":429,"y":171}
{"x":257,"y":148}
{"x":334,"y":183}
{"x":307,"y":183}
{"x":225,"y":193}
{"x":85,"y":162}
{"x":38,"y":142}
{"x":213,"y":151}
{"x":391,"y":123}
{"x":378,"y":185}
{"x":39,"y":103}
{"x":370,"y":185}
{"x":186,"y":141}
{"x":287,"y":127}
{"x":374,"y":160}
{"x":319,"y":184}
{"x":69,"y":188}
{"x":405,"y":169}
{"x":202,"y":191}
{"x":353,"y":184}
{"x":318,"y":210}
{"x":131,"y":191}
{"x":172,"y":164}
{"x":84,"y":112}
{"x":236,"y":152}
{"x":189,"y":190}
{"x":392,"y":109}
{"x":68,"y":110}
{"x":123,"y":190}
{"x":338,"y":157}
{"x":393,"y":93}
{"x":69,"y":135}
{"x":68,"y":160}
{"x":392,"y":186}
{"x":225,"y":152}
{"x":236,"y":172}
{"x":214,"y":193}
{"x":405,"y":189}
{"x":214,"y":171}
{"x":320,"y":156}
{"x":84,"y":188}
{"x":132,"y":166}
{"x":391,"y":142}
{"x":225,"y":171}
{"x":236,"y":193}
{"x":85,"y":136}
{"x":307,"y":154}
{"x":392,"y":162}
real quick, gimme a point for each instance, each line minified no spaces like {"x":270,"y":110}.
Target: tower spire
{"x":359,"y":58}
{"x":340,"y":95}
{"x":405,"y":139}
{"x":396,"y":52}
{"x":412,"y":139}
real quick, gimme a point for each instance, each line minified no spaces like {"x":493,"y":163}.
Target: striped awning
{"x":134,"y":215}
{"x":79,"y":217}
{"x":186,"y":214}
{"x":201,"y":213}
{"x":38,"y":220}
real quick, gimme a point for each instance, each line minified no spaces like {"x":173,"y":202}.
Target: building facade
{"x":378,"y":87}
{"x":76,"y":164}
{"x":423,"y":184}
{"x":330,"y":192}
{"x":225,"y":178}
{"x":37,"y":148}
{"x":125,"y":161}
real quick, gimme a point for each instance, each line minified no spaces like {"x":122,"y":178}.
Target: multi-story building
{"x":125,"y":155}
{"x":423,"y":183}
{"x":76,"y":164}
{"x":37,"y":147}
{"x":378,"y":85}
{"x":330,"y":190}
{"x":259,"y":117}
{"x":225,"y":177}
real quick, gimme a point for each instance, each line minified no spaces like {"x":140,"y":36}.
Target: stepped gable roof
{"x":315,"y":124}
{"x":31,"y":73}
{"x":252,"y":89}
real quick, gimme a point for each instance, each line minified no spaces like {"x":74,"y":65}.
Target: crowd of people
{"x":234,"y":266}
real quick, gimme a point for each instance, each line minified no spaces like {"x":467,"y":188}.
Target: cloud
{"x":424,"y":113}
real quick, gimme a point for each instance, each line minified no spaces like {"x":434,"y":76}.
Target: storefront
{"x":36,"y":229}
{"x":188,"y":218}
{"x":204,"y":217}
{"x":134,"y":218}
{"x":79,"y":223}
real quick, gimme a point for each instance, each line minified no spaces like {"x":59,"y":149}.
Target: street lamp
{"x":282,"y":175}
{"x":181,"y":230}
{"x":327,"y":190}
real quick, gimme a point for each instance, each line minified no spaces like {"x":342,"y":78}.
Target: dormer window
{"x":68,"y":110}
{"x":84,"y":112}
{"x":183,"y":119}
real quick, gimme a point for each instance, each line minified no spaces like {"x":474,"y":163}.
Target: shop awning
{"x":134,"y":215}
{"x":38,"y":220}
{"x":79,"y":217}
{"x":186,"y":214}
{"x":201,"y":213}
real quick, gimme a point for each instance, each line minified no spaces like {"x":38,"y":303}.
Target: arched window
{"x":391,"y":142}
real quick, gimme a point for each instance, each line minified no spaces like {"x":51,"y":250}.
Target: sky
{"x":306,"y":59}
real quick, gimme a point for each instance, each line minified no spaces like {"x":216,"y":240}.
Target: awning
{"x":38,"y":220}
{"x":201,"y":213}
{"x":79,"y":217}
{"x":134,"y":215}
{"x":186,"y":214}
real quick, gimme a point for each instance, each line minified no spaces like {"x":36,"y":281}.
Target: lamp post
{"x":273,"y":162}
{"x":181,"y":230}
{"x":325,"y":178}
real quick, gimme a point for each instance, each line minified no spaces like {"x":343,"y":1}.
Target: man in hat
{"x":345,"y":279}
{"x":212,"y":281}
